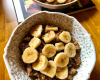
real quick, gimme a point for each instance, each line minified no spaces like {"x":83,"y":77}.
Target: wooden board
{"x":89,"y":19}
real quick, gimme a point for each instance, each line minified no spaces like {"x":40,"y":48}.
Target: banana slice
{"x":35,"y":42}
{"x":30,"y":55}
{"x":50,"y":28}
{"x":41,"y":63}
{"x":36,"y":31}
{"x":50,"y":1}
{"x":48,"y":37}
{"x":70,"y":50}
{"x":59,"y":46}
{"x":65,"y":37}
{"x":50,"y":70}
{"x":61,"y":59}
{"x":61,"y":1}
{"x":62,"y":72}
{"x":49,"y":50}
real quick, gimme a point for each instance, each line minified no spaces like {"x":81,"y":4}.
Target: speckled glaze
{"x":12,"y":53}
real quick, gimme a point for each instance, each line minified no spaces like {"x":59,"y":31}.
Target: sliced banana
{"x":65,"y":37}
{"x":41,"y":63}
{"x":61,"y":59}
{"x":50,"y":1}
{"x":30,"y":55}
{"x":70,"y":50}
{"x":59,"y":46}
{"x":50,"y":28}
{"x":36,"y":31}
{"x":48,"y":37}
{"x":50,"y":70}
{"x":49,"y":50}
{"x":62,"y":72}
{"x":35,"y":42}
{"x":61,"y":1}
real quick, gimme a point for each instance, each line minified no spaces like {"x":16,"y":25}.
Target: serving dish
{"x":12,"y":54}
{"x":52,"y":6}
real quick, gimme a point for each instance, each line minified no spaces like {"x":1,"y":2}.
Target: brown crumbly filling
{"x":72,"y":65}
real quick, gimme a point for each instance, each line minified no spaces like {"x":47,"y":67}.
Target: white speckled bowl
{"x":12,"y":53}
{"x":52,"y":6}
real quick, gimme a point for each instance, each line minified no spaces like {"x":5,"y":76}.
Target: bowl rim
{"x":54,"y":4}
{"x":7,"y":45}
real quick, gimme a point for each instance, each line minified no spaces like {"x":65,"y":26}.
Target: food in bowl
{"x":56,"y":1}
{"x":50,"y":53}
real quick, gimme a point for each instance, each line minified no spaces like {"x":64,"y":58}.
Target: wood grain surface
{"x":89,"y":19}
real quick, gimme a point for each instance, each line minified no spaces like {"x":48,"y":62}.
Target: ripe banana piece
{"x":50,"y":28}
{"x":30,"y":55}
{"x":65,"y":37}
{"x":61,"y":59}
{"x":70,"y":50}
{"x":48,"y":37}
{"x":59,"y":46}
{"x":36,"y":31}
{"x":35,"y":42}
{"x":62,"y":72}
{"x":50,"y":1}
{"x":50,"y":70}
{"x":49,"y":50}
{"x":61,"y":1}
{"x":41,"y":63}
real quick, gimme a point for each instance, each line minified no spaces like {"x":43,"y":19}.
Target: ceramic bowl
{"x":12,"y":56}
{"x":52,"y":6}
